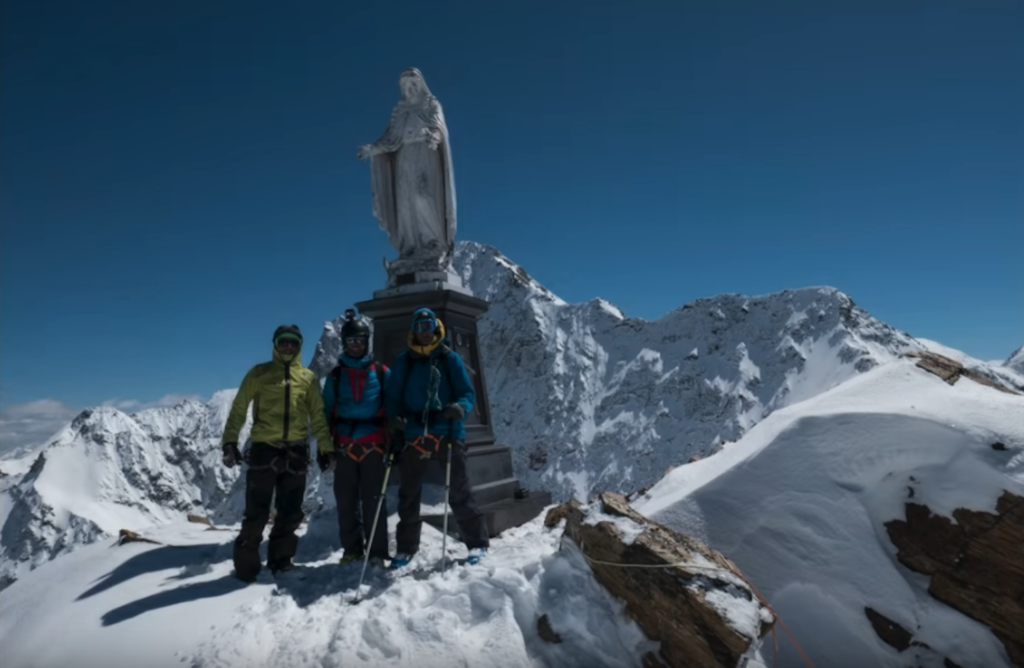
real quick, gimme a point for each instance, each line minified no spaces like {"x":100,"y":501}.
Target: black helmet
{"x":291,"y":331}
{"x":354,"y":327}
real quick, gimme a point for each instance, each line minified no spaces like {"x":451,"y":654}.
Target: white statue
{"x":413,"y":181}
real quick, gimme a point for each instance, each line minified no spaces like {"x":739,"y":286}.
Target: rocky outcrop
{"x":683,"y":594}
{"x":546,"y":633}
{"x":891,"y":633}
{"x":129,"y":536}
{"x":975,"y":560}
{"x":951,"y":371}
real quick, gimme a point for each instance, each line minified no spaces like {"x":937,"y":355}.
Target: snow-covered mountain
{"x":1015,"y":362}
{"x":592,"y":400}
{"x":109,"y":470}
{"x":588,"y":399}
{"x":810,"y":423}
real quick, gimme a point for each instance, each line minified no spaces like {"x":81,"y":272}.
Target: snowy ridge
{"x":592,"y":400}
{"x":1009,"y":373}
{"x":109,"y":470}
{"x":800,"y":505}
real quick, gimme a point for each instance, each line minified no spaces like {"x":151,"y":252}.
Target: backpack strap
{"x":380,"y":370}
{"x":336,"y":376}
{"x":445,"y":350}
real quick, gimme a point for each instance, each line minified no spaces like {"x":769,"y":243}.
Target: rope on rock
{"x":715,"y":569}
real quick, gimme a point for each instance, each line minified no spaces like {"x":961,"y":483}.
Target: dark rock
{"x":951,"y":371}
{"x":976,"y":563}
{"x":126,"y":536}
{"x":547,"y":634}
{"x":890,"y":632}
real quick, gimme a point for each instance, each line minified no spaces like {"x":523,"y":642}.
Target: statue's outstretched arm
{"x":390,"y":141}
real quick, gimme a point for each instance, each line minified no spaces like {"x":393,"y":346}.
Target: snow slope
{"x":141,"y":604}
{"x":799,"y":504}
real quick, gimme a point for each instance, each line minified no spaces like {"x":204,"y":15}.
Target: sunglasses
{"x":287,"y":343}
{"x":423,"y":326}
{"x":352,"y":340}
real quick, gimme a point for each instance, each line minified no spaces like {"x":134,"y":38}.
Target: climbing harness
{"x":291,"y":452}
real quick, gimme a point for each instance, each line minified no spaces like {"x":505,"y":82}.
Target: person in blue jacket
{"x":429,"y":395}
{"x":353,"y":396}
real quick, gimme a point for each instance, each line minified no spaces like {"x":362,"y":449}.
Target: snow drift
{"x":163,"y":606}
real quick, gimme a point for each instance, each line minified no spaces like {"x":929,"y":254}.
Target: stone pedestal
{"x":495,"y":486}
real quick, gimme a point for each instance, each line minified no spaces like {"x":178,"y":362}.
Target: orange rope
{"x":800,"y":649}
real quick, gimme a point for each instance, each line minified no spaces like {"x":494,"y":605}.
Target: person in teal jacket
{"x":429,"y":396}
{"x":353,"y":397}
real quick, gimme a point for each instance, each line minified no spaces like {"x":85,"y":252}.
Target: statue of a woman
{"x":412,"y":179}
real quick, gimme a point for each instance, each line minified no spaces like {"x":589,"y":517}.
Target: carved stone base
{"x":421,"y":281}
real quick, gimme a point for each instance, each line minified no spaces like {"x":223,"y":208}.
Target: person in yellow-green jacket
{"x":286,"y":400}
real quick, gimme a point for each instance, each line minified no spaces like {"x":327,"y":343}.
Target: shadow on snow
{"x":162,"y":558}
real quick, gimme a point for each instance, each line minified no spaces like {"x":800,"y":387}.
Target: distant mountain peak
{"x":1016,"y":361}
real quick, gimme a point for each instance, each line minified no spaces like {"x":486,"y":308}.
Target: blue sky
{"x":180,"y":178}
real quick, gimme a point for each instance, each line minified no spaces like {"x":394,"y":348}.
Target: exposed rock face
{"x":976,"y":561}
{"x":892,"y":633}
{"x":686,"y":595}
{"x":545,"y":631}
{"x":951,"y":371}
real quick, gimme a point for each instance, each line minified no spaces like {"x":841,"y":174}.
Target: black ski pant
{"x":357,"y":488}
{"x":413,"y":466}
{"x":272,"y":470}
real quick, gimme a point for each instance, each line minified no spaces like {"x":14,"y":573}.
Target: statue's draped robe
{"x":413,"y":185}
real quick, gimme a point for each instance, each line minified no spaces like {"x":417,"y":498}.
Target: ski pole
{"x":447,"y":488}
{"x":376,"y":515}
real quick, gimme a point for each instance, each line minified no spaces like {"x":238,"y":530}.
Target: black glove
{"x":232,"y":456}
{"x":326,"y":461}
{"x":453,"y":412}
{"x":395,"y":424}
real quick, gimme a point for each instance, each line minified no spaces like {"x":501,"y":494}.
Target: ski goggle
{"x":423,"y":326}
{"x":351,"y":340}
